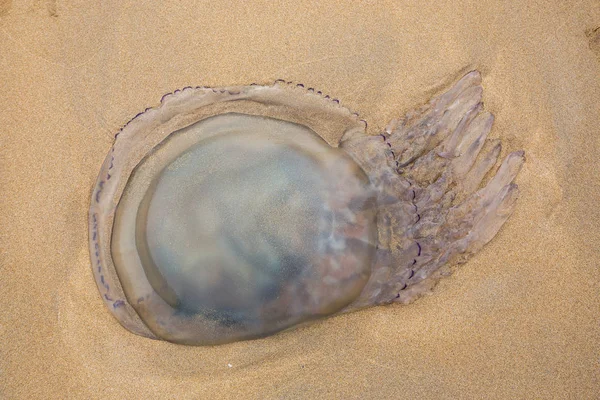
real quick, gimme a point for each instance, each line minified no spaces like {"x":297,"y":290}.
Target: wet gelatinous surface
{"x":242,"y":226}
{"x":224,"y":215}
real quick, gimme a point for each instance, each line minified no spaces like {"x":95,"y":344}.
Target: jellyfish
{"x":224,"y":214}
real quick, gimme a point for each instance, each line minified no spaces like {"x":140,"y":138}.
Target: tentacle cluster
{"x":432,"y":213}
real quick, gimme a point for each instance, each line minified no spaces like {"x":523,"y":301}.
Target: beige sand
{"x":521,"y":320}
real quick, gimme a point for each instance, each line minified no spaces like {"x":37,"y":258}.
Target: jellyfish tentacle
{"x":475,"y":175}
{"x":431,"y":214}
{"x":423,"y":129}
{"x":507,"y":172}
{"x":473,"y":142}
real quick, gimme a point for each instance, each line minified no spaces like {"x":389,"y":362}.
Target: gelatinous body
{"x":242,"y":226}
{"x":224,"y":215}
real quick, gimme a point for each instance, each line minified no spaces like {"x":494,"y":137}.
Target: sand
{"x":520,"y":320}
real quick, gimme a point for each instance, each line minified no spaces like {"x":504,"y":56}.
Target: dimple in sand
{"x":223,"y":214}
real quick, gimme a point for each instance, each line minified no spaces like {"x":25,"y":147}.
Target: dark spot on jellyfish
{"x":229,"y":216}
{"x":118,"y":303}
{"x":99,"y":190}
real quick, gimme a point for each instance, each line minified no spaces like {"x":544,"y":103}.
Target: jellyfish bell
{"x":225,"y":214}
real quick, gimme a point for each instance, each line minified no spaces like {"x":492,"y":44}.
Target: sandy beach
{"x":520,"y":320}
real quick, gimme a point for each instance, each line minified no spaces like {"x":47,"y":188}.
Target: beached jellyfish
{"x":224,"y":215}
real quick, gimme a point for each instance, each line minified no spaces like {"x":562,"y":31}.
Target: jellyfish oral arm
{"x":432,"y":211}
